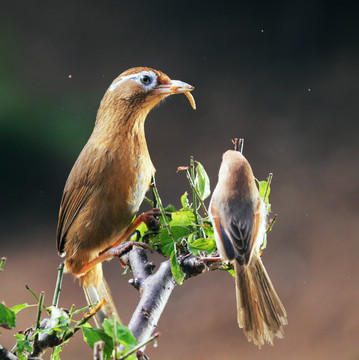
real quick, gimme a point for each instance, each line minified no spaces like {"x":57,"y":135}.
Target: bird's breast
{"x":143,"y":171}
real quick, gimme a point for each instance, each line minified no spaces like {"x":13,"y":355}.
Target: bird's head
{"x":142,"y":88}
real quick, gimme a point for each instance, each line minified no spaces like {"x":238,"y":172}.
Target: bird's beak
{"x":174,"y":87}
{"x":177,"y":87}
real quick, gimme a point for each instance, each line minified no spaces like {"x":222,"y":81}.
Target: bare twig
{"x":38,"y":318}
{"x":36,"y":298}
{"x":98,"y":350}
{"x":60,"y":275}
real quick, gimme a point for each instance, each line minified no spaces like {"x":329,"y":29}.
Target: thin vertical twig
{"x":194,"y":196}
{"x":269,"y":181}
{"x":160,"y":206}
{"x":38,"y":317}
{"x":191,"y":183}
{"x":98,"y":350}
{"x":271,"y":223}
{"x":60,"y":275}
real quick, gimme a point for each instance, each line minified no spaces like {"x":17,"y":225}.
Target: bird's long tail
{"x":96,"y":289}
{"x":260,"y":312}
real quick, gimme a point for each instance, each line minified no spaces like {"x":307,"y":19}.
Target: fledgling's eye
{"x":145,"y":79}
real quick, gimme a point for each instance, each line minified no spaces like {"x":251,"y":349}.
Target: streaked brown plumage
{"x":108,"y":181}
{"x":239,"y":220}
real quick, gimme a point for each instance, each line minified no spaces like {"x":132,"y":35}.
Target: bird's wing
{"x":241,"y":237}
{"x":236,"y":230}
{"x":77,"y":191}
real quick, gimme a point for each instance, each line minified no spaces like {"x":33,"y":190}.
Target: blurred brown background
{"x":283,"y":75}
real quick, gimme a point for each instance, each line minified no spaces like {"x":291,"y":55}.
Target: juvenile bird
{"x":239,"y":220}
{"x":108,"y":181}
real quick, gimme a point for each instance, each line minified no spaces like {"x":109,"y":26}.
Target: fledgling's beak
{"x":177,"y":87}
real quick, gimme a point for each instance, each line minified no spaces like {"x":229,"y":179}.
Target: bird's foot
{"x":150,"y":218}
{"x":122,"y":249}
{"x":121,"y":246}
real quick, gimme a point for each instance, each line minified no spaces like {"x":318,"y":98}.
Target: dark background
{"x":283,"y":75}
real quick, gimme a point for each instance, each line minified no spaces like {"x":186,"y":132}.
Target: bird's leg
{"x":120,"y":246}
{"x":211,"y":258}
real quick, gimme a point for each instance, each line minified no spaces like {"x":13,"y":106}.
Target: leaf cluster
{"x":189,"y":230}
{"x":60,"y":326}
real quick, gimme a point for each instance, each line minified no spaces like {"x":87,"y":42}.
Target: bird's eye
{"x":145,"y":79}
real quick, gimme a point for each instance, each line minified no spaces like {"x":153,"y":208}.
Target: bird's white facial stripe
{"x":137,"y":77}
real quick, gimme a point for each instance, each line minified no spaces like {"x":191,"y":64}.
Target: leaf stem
{"x":69,"y":333}
{"x":115,"y":334}
{"x":37,"y":299}
{"x":269,"y":180}
{"x":139,"y":346}
{"x":271,"y":224}
{"x":148,"y":201}
{"x":60,"y":275}
{"x":160,"y":206}
{"x":192,"y":177}
{"x":191,"y":183}
{"x":38,"y":317}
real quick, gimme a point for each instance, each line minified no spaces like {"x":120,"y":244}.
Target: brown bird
{"x":108,"y":181}
{"x":239,"y":219}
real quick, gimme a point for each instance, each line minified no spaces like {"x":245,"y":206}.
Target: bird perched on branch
{"x":108,"y":181}
{"x":239,"y":219}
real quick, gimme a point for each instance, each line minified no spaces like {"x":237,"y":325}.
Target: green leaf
{"x":204,"y":244}
{"x":207,"y":228}
{"x":165,"y":242}
{"x":201,"y":182}
{"x":124,"y":335}
{"x":182,"y":218}
{"x":56,"y":353}
{"x":91,"y":336}
{"x":170,"y":208}
{"x":7,"y":317}
{"x":264,"y":244}
{"x":19,"y":307}
{"x":262,"y":188}
{"x":177,"y":272}
{"x":184,"y":200}
{"x":142,"y":228}
{"x":22,"y":345}
{"x":232,"y":273}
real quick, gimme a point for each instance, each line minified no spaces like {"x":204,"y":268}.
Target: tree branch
{"x":45,"y":340}
{"x":6,"y":354}
{"x":155,"y":289}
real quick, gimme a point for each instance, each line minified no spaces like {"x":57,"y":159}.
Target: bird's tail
{"x":96,"y":289}
{"x":260,"y":312}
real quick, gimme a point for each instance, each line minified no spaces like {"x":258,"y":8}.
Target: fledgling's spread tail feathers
{"x":96,"y":289}
{"x":260,"y":312}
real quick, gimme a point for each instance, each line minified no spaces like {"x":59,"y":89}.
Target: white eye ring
{"x":145,"y":79}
